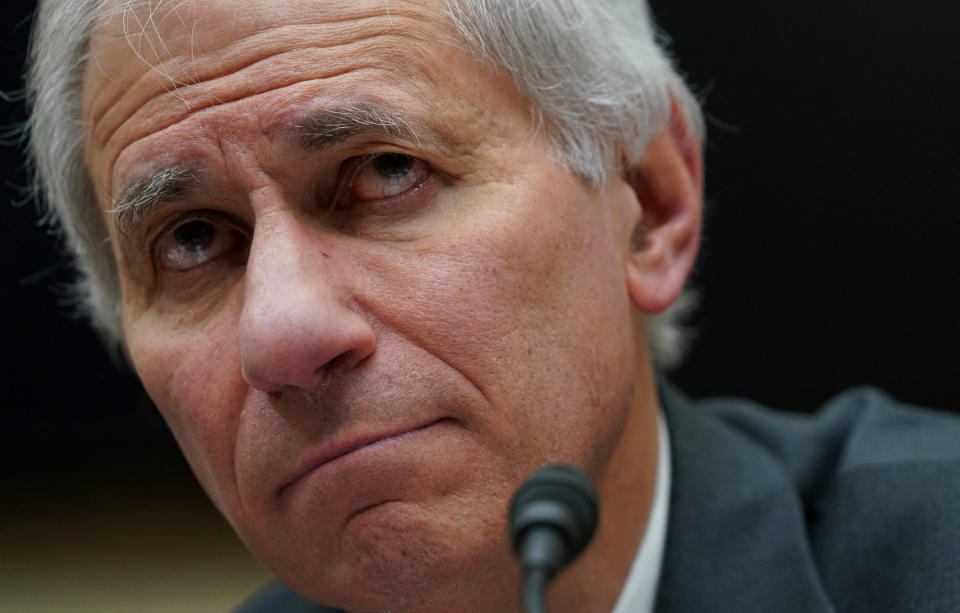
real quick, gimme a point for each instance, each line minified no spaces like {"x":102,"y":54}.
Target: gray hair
{"x":593,"y":72}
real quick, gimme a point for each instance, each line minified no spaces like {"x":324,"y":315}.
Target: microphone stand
{"x":533,"y":588}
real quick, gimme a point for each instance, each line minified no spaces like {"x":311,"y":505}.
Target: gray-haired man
{"x":376,"y":261}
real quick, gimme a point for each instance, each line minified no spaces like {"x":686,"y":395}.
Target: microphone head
{"x":557,"y":497}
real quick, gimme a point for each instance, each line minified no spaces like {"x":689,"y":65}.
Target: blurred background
{"x":830,"y":260}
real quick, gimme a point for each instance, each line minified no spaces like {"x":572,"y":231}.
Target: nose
{"x":299,"y":314}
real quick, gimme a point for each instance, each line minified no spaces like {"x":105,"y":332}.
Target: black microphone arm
{"x":552,"y":518}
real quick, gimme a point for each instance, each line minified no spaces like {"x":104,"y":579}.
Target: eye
{"x":195,"y":240}
{"x":386,"y":175}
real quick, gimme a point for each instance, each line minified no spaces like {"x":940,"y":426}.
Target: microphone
{"x":553,"y":516}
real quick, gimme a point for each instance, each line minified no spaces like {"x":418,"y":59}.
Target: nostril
{"x":345,"y":361}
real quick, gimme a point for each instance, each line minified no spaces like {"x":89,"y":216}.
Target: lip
{"x":338,"y":450}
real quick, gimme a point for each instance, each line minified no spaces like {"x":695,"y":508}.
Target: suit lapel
{"x":736,"y":538}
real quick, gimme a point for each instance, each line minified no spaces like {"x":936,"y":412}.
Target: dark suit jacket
{"x":856,"y":509}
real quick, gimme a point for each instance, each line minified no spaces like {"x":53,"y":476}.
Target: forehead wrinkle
{"x":233,"y":58}
{"x":150,"y":89}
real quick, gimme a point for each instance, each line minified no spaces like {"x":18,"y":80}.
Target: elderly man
{"x":376,"y":261}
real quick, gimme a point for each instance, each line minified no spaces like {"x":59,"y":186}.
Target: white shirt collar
{"x":640,"y":589}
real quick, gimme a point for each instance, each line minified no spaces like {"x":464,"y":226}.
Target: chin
{"x":394,"y":557}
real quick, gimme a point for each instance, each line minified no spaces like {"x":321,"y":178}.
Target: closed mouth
{"x":337,"y":451}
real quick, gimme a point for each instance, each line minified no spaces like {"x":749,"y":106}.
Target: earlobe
{"x":668,"y":182}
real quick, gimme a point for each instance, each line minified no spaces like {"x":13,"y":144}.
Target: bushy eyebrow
{"x":331,"y":126}
{"x":143,"y":195}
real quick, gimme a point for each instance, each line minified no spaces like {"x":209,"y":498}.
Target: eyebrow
{"x":319,"y":131}
{"x":144,"y":194}
{"x":328,"y":127}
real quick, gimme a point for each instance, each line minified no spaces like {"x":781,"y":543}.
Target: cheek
{"x":193,"y":376}
{"x":527,"y":300}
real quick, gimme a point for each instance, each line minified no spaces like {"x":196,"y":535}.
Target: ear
{"x":668,"y":183}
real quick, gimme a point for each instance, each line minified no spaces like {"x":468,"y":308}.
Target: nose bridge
{"x":299,"y":313}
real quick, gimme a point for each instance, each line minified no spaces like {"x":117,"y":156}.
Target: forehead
{"x":152,"y":68}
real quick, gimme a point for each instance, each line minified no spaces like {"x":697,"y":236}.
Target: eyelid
{"x":346,"y":177}
{"x":217,"y":218}
{"x":177,"y":220}
{"x":356,"y":164}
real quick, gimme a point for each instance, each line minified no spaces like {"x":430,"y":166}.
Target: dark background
{"x":830,"y":257}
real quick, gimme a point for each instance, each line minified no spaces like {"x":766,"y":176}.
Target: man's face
{"x":361,"y":290}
